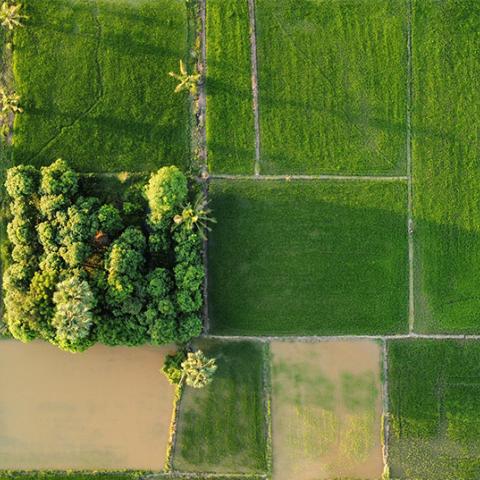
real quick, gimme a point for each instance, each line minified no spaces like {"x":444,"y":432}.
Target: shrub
{"x":172,"y":367}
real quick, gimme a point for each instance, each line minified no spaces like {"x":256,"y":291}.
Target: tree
{"x":198,"y":370}
{"x":22,"y":181}
{"x":109,"y":219}
{"x":196,"y":216}
{"x":166,"y":191}
{"x":10,"y":16}
{"x":73,"y":318}
{"x":187,"y":81}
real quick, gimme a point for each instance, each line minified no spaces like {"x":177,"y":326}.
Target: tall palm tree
{"x":198,"y":370}
{"x":10,"y":16}
{"x":9,"y":102}
{"x":187,"y":82}
{"x":197,"y":215}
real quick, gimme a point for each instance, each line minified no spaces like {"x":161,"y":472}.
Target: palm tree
{"x":187,"y":82}
{"x":198,"y":215}
{"x":198,"y":370}
{"x":10,"y":16}
{"x":9,"y":102}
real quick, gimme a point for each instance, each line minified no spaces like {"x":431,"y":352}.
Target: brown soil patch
{"x":107,"y":408}
{"x":327,"y":410}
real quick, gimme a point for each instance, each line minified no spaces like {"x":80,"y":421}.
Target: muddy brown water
{"x":326,"y":410}
{"x":106,"y":408}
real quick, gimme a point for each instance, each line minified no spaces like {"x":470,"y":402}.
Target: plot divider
{"x":311,"y":177}
{"x":386,"y":407}
{"x":202,"y":98}
{"x":254,"y":61}
{"x":267,"y":400}
{"x":410,"y":222}
{"x":334,"y":338}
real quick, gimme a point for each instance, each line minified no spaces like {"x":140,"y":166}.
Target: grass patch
{"x":221,"y":427}
{"x":434,"y":391}
{"x":332,"y":79}
{"x":46,"y":475}
{"x":71,"y":475}
{"x":94,"y":84}
{"x":308,"y":257}
{"x":230,"y":130}
{"x":446,"y":64}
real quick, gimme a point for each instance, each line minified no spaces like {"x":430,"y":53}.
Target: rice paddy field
{"x":308,"y":258}
{"x":106,"y":409}
{"x":93,"y":80}
{"x":327,"y":410}
{"x":342,"y":295}
{"x":230,"y":132}
{"x":222,"y":427}
{"x":434,"y":388}
{"x":446,"y":175}
{"x":332,"y":91}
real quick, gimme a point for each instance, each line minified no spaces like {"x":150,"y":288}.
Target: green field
{"x":230,"y":133}
{"x":93,"y":78}
{"x":434,"y":402}
{"x":102,"y":476}
{"x":332,"y":86}
{"x":221,"y":427}
{"x":445,"y":160}
{"x":70,"y":475}
{"x":308,"y":258}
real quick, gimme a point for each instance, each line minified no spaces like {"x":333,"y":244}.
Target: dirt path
{"x":107,"y":408}
{"x":253,"y":56}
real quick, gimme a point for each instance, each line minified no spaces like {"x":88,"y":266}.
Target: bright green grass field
{"x":332,"y":80}
{"x":230,"y":130}
{"x":102,"y":476}
{"x":308,"y":257}
{"x":93,"y":78}
{"x":69,"y":476}
{"x":434,"y":389}
{"x":221,"y":428}
{"x":446,"y":68}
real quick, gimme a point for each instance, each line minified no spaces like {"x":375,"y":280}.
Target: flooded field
{"x":107,"y":408}
{"x":327,"y":410}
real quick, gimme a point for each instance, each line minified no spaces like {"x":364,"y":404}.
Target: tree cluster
{"x":82,"y":272}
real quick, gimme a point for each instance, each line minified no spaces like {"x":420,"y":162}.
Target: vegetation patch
{"x":127,"y":475}
{"x":308,"y":258}
{"x":326,"y":410}
{"x":221,"y":427}
{"x":82,"y":271}
{"x":445,"y":160}
{"x":434,"y":403}
{"x":94,"y":85}
{"x":107,"y":408}
{"x":332,"y":86}
{"x":230,"y":129}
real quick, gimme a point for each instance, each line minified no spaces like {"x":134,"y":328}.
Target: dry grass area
{"x":326,"y":410}
{"x":107,"y":408}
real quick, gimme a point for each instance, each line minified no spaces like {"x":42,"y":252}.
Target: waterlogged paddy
{"x":326,"y":410}
{"x":107,"y":408}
